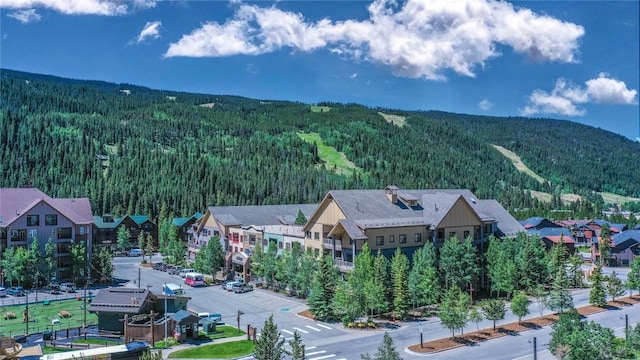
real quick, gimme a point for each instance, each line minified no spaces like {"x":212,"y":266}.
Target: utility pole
{"x":239,"y":313}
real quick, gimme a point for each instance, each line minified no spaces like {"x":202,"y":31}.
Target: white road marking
{"x":326,"y":327}
{"x":302,"y":331}
{"x":312,"y":328}
{"x":323,"y":357}
{"x":287,"y":331}
{"x":316,"y":352}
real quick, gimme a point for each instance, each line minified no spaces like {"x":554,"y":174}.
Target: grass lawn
{"x":97,"y":342}
{"x":40,"y":316}
{"x":46,"y":350}
{"x":223,"y":332}
{"x":227,"y":350}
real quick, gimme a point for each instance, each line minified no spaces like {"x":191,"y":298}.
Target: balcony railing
{"x":328,"y":244}
{"x":344,"y":266}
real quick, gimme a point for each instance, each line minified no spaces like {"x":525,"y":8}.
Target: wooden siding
{"x":460,"y":214}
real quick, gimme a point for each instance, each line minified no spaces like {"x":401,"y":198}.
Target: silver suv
{"x":68,"y":287}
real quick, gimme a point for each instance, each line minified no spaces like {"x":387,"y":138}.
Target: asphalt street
{"x":333,"y":341}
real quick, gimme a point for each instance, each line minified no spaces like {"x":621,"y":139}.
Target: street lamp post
{"x":420,"y":329}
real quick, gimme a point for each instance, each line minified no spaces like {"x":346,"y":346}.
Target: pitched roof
{"x":547,"y":232}
{"x":139,"y":219}
{"x":259,"y":214}
{"x":17,"y":201}
{"x":101,"y":224}
{"x":557,"y":239}
{"x":181,"y":221}
{"x":618,"y":239}
{"x":372,"y":208}
{"x":121,"y":300}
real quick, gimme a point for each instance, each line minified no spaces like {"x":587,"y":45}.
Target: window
{"x":417,"y":237}
{"x":18,"y":234}
{"x":316,"y":235}
{"x":33,"y":233}
{"x":51,"y":220}
{"x":379,"y":240}
{"x":316,"y":252}
{"x":64,"y":233}
{"x":279,"y":244}
{"x":392,"y":238}
{"x":452,"y":234}
{"x":81,"y":230}
{"x":466,"y":234}
{"x":402,"y":238}
{"x":287,"y":246}
{"x":33,"y":220}
{"x":307,"y":234}
{"x":265,"y":242}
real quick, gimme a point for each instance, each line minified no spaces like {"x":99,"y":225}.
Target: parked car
{"x":68,"y":287}
{"x":53,"y":288}
{"x":242,"y":288}
{"x":175,"y":270}
{"x":183,"y":272}
{"x":15,"y":291}
{"x":135,"y":252}
{"x":159,"y":266}
{"x":3,"y":292}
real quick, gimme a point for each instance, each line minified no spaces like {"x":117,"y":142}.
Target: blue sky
{"x":574,"y":60}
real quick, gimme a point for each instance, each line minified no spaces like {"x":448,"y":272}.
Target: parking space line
{"x":287,"y":331}
{"x":325,"y":326}
{"x":316,"y":352}
{"x":302,"y":331}
{"x":312,"y":328}
{"x":322,"y":357}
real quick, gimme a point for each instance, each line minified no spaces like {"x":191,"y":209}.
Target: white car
{"x":68,"y":287}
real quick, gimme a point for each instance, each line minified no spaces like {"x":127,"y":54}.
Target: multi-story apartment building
{"x":28,"y":214}
{"x":393,"y":218}
{"x":105,"y":230}
{"x":241,"y":228}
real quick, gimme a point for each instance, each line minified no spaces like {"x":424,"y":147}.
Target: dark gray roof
{"x":183,"y":317}
{"x":121,"y":300}
{"x":260,"y":214}
{"x":624,"y":236}
{"x":352,"y":229}
{"x":372,"y":208}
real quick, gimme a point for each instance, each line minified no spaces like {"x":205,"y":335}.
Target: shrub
{"x":9,"y":315}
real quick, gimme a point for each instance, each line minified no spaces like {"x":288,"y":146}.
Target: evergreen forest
{"x":134,"y":150}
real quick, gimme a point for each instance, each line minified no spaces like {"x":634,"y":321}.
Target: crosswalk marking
{"x":311,"y":347}
{"x":316,"y":352}
{"x":324,"y":326}
{"x":322,"y":357}
{"x":287,"y":331}
{"x":312,"y":328}
{"x":302,"y":331}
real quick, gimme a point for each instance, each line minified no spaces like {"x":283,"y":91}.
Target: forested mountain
{"x":133,"y":150}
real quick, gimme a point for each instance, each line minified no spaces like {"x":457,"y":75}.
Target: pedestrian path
{"x":287,"y":334}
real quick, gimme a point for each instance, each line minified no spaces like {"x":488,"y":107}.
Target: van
{"x":135,"y":252}
{"x":214,"y":317}
{"x":184,"y":272}
{"x":229,"y":286}
{"x":172,"y":289}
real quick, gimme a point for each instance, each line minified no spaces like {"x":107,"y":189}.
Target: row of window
{"x":49,"y":220}
{"x":402,"y":239}
{"x":57,"y":233}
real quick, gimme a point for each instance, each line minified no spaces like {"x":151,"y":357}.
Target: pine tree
{"x":323,"y":289}
{"x":400,"y":278}
{"x":123,"y":238}
{"x":560,"y":298}
{"x":297,"y":348}
{"x":386,"y":350}
{"x":597,"y":294}
{"x":269,"y":345}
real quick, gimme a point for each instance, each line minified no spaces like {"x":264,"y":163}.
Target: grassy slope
{"x":332,"y":158}
{"x":517,"y":162}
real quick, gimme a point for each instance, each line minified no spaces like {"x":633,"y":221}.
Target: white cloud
{"x":151,"y":30}
{"x":353,"y":76}
{"x":25,"y":16}
{"x":485,"y":104}
{"x":565,"y":97}
{"x":78,"y":7}
{"x":417,"y":39}
{"x":610,"y":91}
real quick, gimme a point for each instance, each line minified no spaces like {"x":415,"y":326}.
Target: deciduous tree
{"x":520,"y":305}
{"x":494,"y":310}
{"x":386,"y":350}
{"x":615,"y":287}
{"x":454,"y":309}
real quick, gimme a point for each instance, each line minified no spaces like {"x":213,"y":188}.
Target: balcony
{"x":328,"y":244}
{"x":344,"y":266}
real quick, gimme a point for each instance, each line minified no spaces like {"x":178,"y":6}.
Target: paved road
{"x":333,"y":342}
